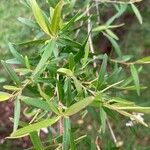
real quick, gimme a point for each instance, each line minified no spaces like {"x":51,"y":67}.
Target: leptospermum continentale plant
{"x":67,"y":79}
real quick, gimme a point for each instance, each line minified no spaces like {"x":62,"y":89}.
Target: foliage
{"x":66,"y":77}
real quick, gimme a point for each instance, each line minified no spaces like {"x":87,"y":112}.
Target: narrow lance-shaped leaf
{"x":56,"y":18}
{"x":145,"y":60}
{"x":16,"y":114}
{"x":87,"y":50}
{"x":66,"y":135}
{"x":137,"y":13}
{"x":34,"y":127}
{"x":135,"y":77}
{"x":65,"y":71}
{"x":114,"y":44}
{"x":36,"y":141}
{"x":71,"y":61}
{"x":28,"y":22}
{"x":15,"y":53}
{"x":77,"y":84}
{"x":39,"y":16}
{"x":11,"y":73}
{"x":102,"y":71}
{"x":73,"y":109}
{"x":36,"y":102}
{"x":45,"y":56}
{"x":103,"y":118}
{"x":11,"y":88}
{"x":4,"y":96}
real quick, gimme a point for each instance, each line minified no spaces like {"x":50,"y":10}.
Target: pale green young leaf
{"x":65,"y":71}
{"x":17,"y":110}
{"x":137,"y":13}
{"x":135,"y":77}
{"x":145,"y":60}
{"x":11,"y":88}
{"x":40,"y":17}
{"x":4,"y":96}
{"x":34,"y":127}
{"x":78,"y":106}
{"x":56,"y":18}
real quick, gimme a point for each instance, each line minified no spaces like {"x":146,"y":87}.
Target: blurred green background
{"x":135,"y":40}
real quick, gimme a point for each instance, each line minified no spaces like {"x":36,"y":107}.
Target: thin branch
{"x":112,"y":132}
{"x":90,"y":36}
{"x":118,"y":2}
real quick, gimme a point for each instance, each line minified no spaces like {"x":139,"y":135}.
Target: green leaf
{"x":66,"y":135}
{"x":77,"y":84}
{"x":71,"y":61}
{"x":114,"y":44}
{"x":51,"y":104}
{"x":67,"y":41}
{"x":33,"y":42}
{"x":15,"y":53}
{"x":34,"y":127}
{"x":100,"y":28}
{"x":65,"y":71}
{"x":135,"y":77}
{"x":145,"y":60}
{"x":102,"y":71}
{"x":103,"y":117}
{"x":56,"y":18}
{"x":36,"y":102}
{"x":11,"y":88}
{"x":87,"y":50}
{"x":69,"y":23}
{"x":75,"y":108}
{"x":16,"y":114}
{"x":137,"y":13}
{"x":72,"y":141}
{"x":112,"y":34}
{"x":50,"y":47}
{"x":28,"y":22}
{"x":40,"y":17}
{"x":4,"y":96}
{"x":36,"y":141}
{"x":11,"y":73}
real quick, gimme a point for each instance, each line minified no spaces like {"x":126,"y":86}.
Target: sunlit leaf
{"x":4,"y":96}
{"x":34,"y":127}
{"x":17,"y":110}
{"x":73,"y":109}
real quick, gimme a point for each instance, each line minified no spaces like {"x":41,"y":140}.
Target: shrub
{"x":66,"y":79}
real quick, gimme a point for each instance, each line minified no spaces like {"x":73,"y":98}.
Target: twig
{"x":90,"y":36}
{"x":118,"y":2}
{"x":112,"y":132}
